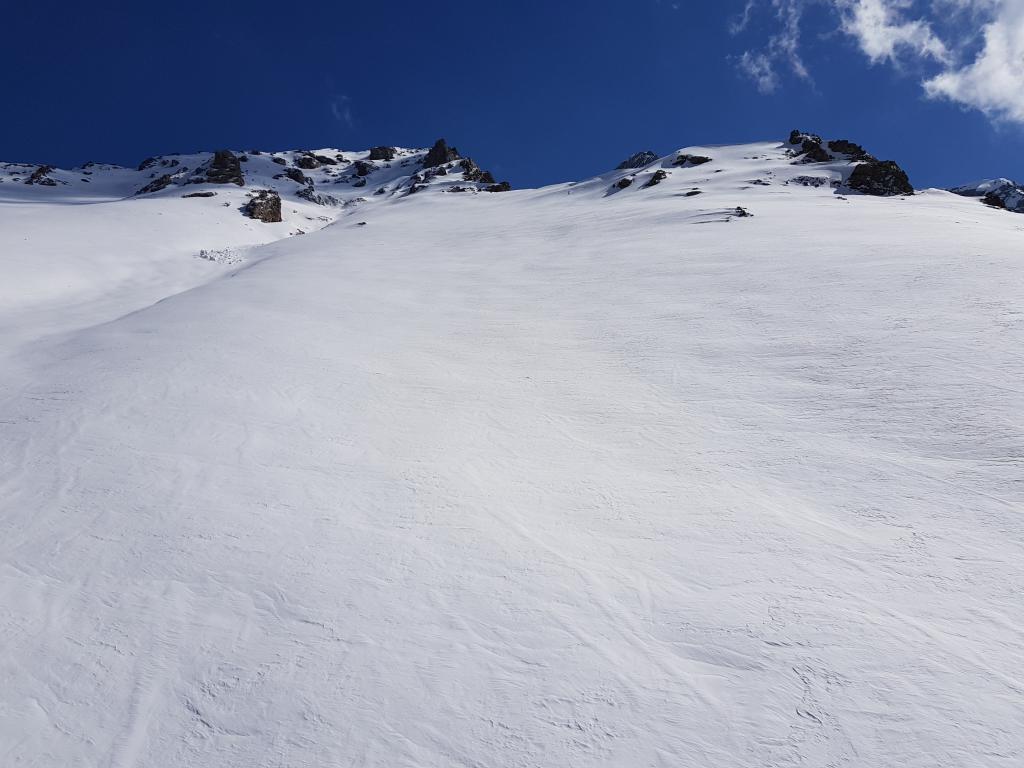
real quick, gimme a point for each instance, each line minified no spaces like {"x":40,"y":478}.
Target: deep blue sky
{"x":537,"y":90}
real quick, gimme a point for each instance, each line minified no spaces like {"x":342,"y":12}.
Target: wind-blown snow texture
{"x":577,"y":476}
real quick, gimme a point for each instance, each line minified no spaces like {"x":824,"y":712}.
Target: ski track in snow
{"x":544,"y":478}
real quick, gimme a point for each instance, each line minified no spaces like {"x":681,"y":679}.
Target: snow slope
{"x":576,"y":476}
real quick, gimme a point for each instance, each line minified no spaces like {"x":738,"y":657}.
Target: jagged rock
{"x":279,"y":160}
{"x":742,"y":213}
{"x":295,"y":175}
{"x":200,"y":194}
{"x":255,"y":152}
{"x":340,"y":158}
{"x":439,"y":154}
{"x":363,"y":168}
{"x":264,"y":205}
{"x":307,"y":162}
{"x":161,"y":182}
{"x":882,"y":178}
{"x":810,"y":147}
{"x":502,"y":186}
{"x":853,"y":151}
{"x":146,"y":164}
{"x":799,"y":137}
{"x":994,"y":200}
{"x":325,"y":160}
{"x":813,"y":152}
{"x":692,"y":193}
{"x":691,"y":160}
{"x":623,"y":183}
{"x":656,"y":179}
{"x":361,"y":182}
{"x":307,"y":193}
{"x":39,"y":177}
{"x":472,"y":172}
{"x":639,"y":160}
{"x":382,"y":153}
{"x":225,"y":169}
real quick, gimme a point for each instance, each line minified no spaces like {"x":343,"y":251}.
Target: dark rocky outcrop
{"x":308,"y":193}
{"x":623,"y":183}
{"x":799,"y":137}
{"x":692,"y":193}
{"x":264,"y":205}
{"x":382,"y":153}
{"x":810,"y":150}
{"x":201,"y":194}
{"x":502,"y":186}
{"x":690,"y":160}
{"x":994,"y":200}
{"x":325,"y":160}
{"x":741,"y":212}
{"x":225,"y":169}
{"x":307,"y":162}
{"x":279,"y":160}
{"x":439,"y":154}
{"x":851,"y":150}
{"x":639,"y":160}
{"x":363,"y":168}
{"x":656,"y":178}
{"x":41,"y":178}
{"x":146,"y":164}
{"x":882,"y":178}
{"x":295,"y":175}
{"x":160,"y":182}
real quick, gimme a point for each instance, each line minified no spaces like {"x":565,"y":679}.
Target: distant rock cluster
{"x":870,"y":176}
{"x":996,"y":193}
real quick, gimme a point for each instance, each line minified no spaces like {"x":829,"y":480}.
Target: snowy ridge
{"x":999,"y":193}
{"x":598,"y":474}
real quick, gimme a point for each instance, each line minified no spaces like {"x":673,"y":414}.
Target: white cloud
{"x":994,"y":81}
{"x":881,"y":30}
{"x":758,"y":67}
{"x":974,"y":49}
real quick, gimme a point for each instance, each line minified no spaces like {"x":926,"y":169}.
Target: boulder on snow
{"x":325,"y":160}
{"x":264,"y":205}
{"x":225,"y":169}
{"x":439,"y":154}
{"x":639,"y":160}
{"x":363,"y":168}
{"x":502,"y":186}
{"x":201,"y":194}
{"x":279,"y":160}
{"x":624,"y":182}
{"x":40,"y":177}
{"x":160,"y":182}
{"x":656,"y":178}
{"x":295,"y":175}
{"x":307,"y":161}
{"x":690,"y":160}
{"x":382,"y":153}
{"x":882,"y":178}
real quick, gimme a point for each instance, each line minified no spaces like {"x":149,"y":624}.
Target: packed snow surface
{"x":577,"y":476}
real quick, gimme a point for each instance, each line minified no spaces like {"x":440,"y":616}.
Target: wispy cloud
{"x":942,"y":37}
{"x":341,"y":108}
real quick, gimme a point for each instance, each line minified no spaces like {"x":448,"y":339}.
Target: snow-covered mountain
{"x":999,"y":193}
{"x":713,"y":459}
